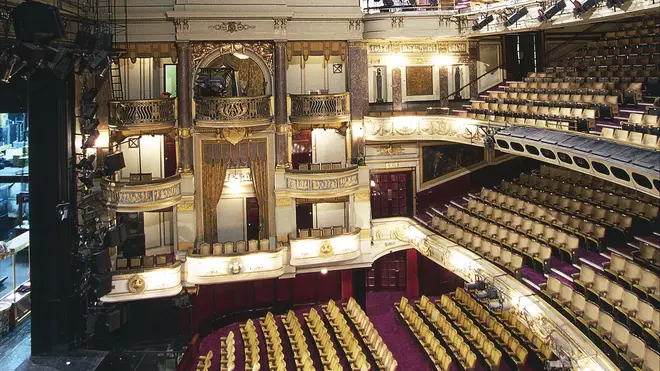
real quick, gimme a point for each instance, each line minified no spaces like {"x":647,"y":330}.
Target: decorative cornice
{"x":232,"y":27}
{"x":283,"y":201}
{"x":459,"y":47}
{"x":355,"y":25}
{"x":397,"y":22}
{"x":279,"y":25}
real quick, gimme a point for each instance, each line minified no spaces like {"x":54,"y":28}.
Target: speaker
{"x":112,"y":237}
{"x":37,"y":22}
{"x":101,"y":284}
{"x":113,"y":320}
{"x":101,"y":261}
{"x":114,"y":162}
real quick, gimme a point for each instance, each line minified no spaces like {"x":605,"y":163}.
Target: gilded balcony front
{"x":320,"y":183}
{"x":146,"y":283}
{"x":216,"y":112}
{"x":324,"y":250}
{"x":143,"y":115}
{"x":320,"y":109}
{"x":128,"y":197}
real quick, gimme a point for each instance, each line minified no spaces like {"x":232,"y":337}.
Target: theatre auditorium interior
{"x":299,"y":185}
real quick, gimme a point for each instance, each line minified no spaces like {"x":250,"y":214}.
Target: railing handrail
{"x":354,"y":232}
{"x":475,"y":80}
{"x":257,"y":97}
{"x":120,"y":183}
{"x":152,"y":100}
{"x":320,"y":95}
{"x":339,"y":170}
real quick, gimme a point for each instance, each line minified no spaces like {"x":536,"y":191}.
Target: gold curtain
{"x":259,"y":171}
{"x":213,"y":179}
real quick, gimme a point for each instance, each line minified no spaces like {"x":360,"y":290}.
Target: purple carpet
{"x":534,"y":277}
{"x":563,"y":267}
{"x":593,"y":257}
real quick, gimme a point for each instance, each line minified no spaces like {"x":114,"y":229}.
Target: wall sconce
{"x":396,"y":61}
{"x":443,"y":60}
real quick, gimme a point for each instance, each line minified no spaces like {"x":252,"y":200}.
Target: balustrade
{"x":142,"y":196}
{"x":226,"y":112}
{"x":137,"y":115}
{"x":320,"y":108}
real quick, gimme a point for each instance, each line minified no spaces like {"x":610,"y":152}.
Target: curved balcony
{"x":143,"y":115}
{"x":210,"y":269}
{"x":324,"y":250}
{"x":320,"y":109}
{"x":321,"y":183}
{"x":128,"y":197}
{"x":215,"y":112}
{"x":145,"y":283}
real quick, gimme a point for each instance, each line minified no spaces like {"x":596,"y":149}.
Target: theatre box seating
{"x":233,"y":248}
{"x":321,"y":232}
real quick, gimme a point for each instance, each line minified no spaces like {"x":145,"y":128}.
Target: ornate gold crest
{"x":234,"y":135}
{"x":326,"y":249}
{"x":235,"y":267}
{"x":136,"y":284}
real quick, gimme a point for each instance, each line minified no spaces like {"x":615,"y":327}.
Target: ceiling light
{"x":324,"y":271}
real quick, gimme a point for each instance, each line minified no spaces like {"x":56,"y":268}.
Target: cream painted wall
{"x":158,"y":229}
{"x":329,"y":214}
{"x":315,"y":75}
{"x":489,"y":58}
{"x":328,"y":146}
{"x":149,"y":154}
{"x":231,"y":219}
{"x":144,"y":78}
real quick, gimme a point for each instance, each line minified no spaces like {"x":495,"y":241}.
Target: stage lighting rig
{"x":546,"y":15}
{"x":478,"y":25}
{"x":516,"y":16}
{"x":615,"y":3}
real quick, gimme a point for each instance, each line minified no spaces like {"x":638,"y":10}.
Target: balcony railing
{"x":322,"y":183}
{"x":128,"y":197}
{"x":234,"y":111}
{"x":325,"y":249}
{"x":322,"y":109}
{"x":145,"y":283}
{"x":143,"y":115}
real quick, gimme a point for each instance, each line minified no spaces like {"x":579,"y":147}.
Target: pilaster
{"x":473,"y":53}
{"x":397,"y":95}
{"x":184,"y":106}
{"x":443,"y":80}
{"x":358,"y":81}
{"x":281,"y":114}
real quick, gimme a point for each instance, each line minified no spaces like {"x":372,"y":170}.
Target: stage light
{"x":113,"y":163}
{"x":90,"y":140}
{"x":483,"y":23}
{"x":548,"y":14}
{"x":479,"y":285}
{"x":615,"y":3}
{"x":516,"y":16}
{"x":583,"y":8}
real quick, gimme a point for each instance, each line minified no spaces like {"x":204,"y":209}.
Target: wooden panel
{"x":252,"y":207}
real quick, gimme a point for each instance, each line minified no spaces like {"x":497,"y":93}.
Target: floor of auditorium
{"x":381,"y":312}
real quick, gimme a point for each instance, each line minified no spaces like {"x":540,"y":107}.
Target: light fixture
{"x":516,"y":16}
{"x":324,"y":271}
{"x":482,"y":23}
{"x":241,"y":56}
{"x":396,"y":61}
{"x":585,"y":7}
{"x":615,"y":3}
{"x":548,"y":14}
{"x":443,"y":60}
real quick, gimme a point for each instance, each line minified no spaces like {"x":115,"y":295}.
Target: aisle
{"x":404,"y":347}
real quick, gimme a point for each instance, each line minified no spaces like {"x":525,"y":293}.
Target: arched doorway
{"x":388,"y":273}
{"x":237,"y":72}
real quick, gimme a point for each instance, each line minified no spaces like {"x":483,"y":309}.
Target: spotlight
{"x":583,"y":8}
{"x":62,"y":63}
{"x":516,"y":16}
{"x":113,"y":163}
{"x":91,"y":139}
{"x":37,"y":22}
{"x":89,"y":126}
{"x":86,"y":163}
{"x":615,"y":3}
{"x":89,"y":94}
{"x":548,"y":14}
{"x":483,"y":23}
{"x":479,"y":285}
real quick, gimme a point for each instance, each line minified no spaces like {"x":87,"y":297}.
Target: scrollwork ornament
{"x":236,"y":267}
{"x":326,"y":249}
{"x":232,"y":27}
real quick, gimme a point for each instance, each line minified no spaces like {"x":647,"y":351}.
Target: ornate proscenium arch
{"x":393,"y":234}
{"x":261,"y":52}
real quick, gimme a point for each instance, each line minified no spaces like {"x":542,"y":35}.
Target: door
{"x":252,"y":209}
{"x":304,"y":217}
{"x":391,"y":194}
{"x":388,"y":273}
{"x":170,"y":156}
{"x":302,"y":148}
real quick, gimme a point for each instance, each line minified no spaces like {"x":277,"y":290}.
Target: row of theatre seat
{"x":327,"y":352}
{"x":301,"y":355}
{"x":231,"y":247}
{"x":346,"y":338}
{"x":594,"y":74}
{"x":635,"y":138}
{"x":554,"y":124}
{"x":581,"y":119}
{"x":643,"y":123}
{"x":381,"y":354}
{"x":625,"y":328}
{"x":228,"y":352}
{"x":322,"y":232}
{"x":605,"y":105}
{"x":250,"y":345}
{"x":274,"y":349}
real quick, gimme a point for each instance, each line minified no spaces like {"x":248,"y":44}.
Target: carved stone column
{"x":184,"y":105}
{"x":358,"y":79}
{"x":281,"y":119}
{"x":473,"y":52}
{"x":397,"y":97}
{"x":443,"y":79}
